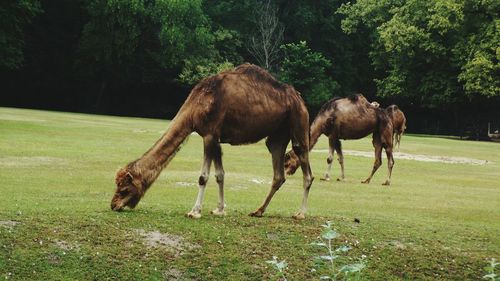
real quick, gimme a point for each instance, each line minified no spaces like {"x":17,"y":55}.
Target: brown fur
{"x":350,"y":118}
{"x":240,"y":106}
{"x":398,"y":121}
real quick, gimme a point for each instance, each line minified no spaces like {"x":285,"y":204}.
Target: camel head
{"x":128,"y":192}
{"x":292,"y":163}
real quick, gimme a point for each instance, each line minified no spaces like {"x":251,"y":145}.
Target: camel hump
{"x":356,"y":97}
{"x":259,"y":75}
{"x":208,"y":85}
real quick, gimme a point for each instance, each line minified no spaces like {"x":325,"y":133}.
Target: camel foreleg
{"x":208,"y":149}
{"x":338,"y":149}
{"x":329,"y":160}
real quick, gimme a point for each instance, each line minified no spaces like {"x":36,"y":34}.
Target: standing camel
{"x":398,"y":122}
{"x":240,"y":106}
{"x":350,"y":118}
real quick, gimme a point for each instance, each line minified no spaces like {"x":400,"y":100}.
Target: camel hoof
{"x":299,"y":216}
{"x":193,"y":215}
{"x":257,"y":214}
{"x":387,"y":183}
{"x":217,"y":212}
{"x":340,"y":179}
{"x":325,"y":179}
{"x":366,"y":181}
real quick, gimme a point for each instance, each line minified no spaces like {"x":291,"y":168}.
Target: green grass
{"x":436,"y":222}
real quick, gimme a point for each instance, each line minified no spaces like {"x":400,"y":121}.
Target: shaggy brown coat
{"x":350,"y":118}
{"x":240,"y":106}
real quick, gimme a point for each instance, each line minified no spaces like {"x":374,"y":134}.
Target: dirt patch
{"x":416,"y":157}
{"x":182,"y":183}
{"x":238,"y":187}
{"x":66,"y":246}
{"x":54,"y":259}
{"x":259,"y":181}
{"x":171,"y":242}
{"x":172,"y":274}
{"x":9,"y":224}
{"x":12,"y":161}
{"x":396,"y":244}
{"x":142,"y":131}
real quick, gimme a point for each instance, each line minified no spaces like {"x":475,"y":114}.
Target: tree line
{"x":436,"y":59}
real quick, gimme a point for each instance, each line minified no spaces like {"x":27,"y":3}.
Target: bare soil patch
{"x":172,"y":274}
{"x":260,"y":181}
{"x":416,"y":157}
{"x":182,"y":183}
{"x":171,"y":242}
{"x":9,"y":224}
{"x":66,"y":246}
{"x":13,"y":161}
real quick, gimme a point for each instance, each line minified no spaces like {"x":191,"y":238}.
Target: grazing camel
{"x":398,"y":122}
{"x":240,"y":106}
{"x":349,"y":118}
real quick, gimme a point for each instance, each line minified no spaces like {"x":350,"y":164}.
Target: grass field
{"x":436,"y":222}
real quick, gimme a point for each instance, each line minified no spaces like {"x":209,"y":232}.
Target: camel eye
{"x":123,"y":192}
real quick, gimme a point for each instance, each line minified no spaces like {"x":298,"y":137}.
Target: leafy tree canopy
{"x":434,"y":52}
{"x":14,"y":17}
{"x":307,"y":71}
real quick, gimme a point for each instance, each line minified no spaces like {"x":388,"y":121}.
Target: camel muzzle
{"x":116,"y":207}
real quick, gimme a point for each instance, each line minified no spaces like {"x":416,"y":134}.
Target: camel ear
{"x":123,"y":177}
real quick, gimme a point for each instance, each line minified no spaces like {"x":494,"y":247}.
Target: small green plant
{"x":330,"y":259}
{"x":280,"y":266}
{"x":490,"y":269}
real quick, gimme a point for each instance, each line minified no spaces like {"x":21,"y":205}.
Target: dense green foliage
{"x":436,"y":52}
{"x":14,"y":16}
{"x":142,"y":57}
{"x":307,"y":71}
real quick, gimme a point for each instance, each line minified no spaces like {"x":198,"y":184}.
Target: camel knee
{"x":277,"y":183}
{"x":298,"y":149}
{"x":377,"y":163}
{"x":219,"y":178}
{"x":202,"y":180}
{"x":329,"y":160}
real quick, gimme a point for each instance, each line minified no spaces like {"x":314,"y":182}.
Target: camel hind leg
{"x":219,"y":178}
{"x":378,"y":156}
{"x":277,"y":147}
{"x":387,"y":142}
{"x":300,"y":145}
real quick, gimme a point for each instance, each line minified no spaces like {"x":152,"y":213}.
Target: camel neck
{"x":150,"y":165}
{"x":316,"y":131}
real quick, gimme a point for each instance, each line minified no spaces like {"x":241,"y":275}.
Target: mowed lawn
{"x":437,"y":221}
